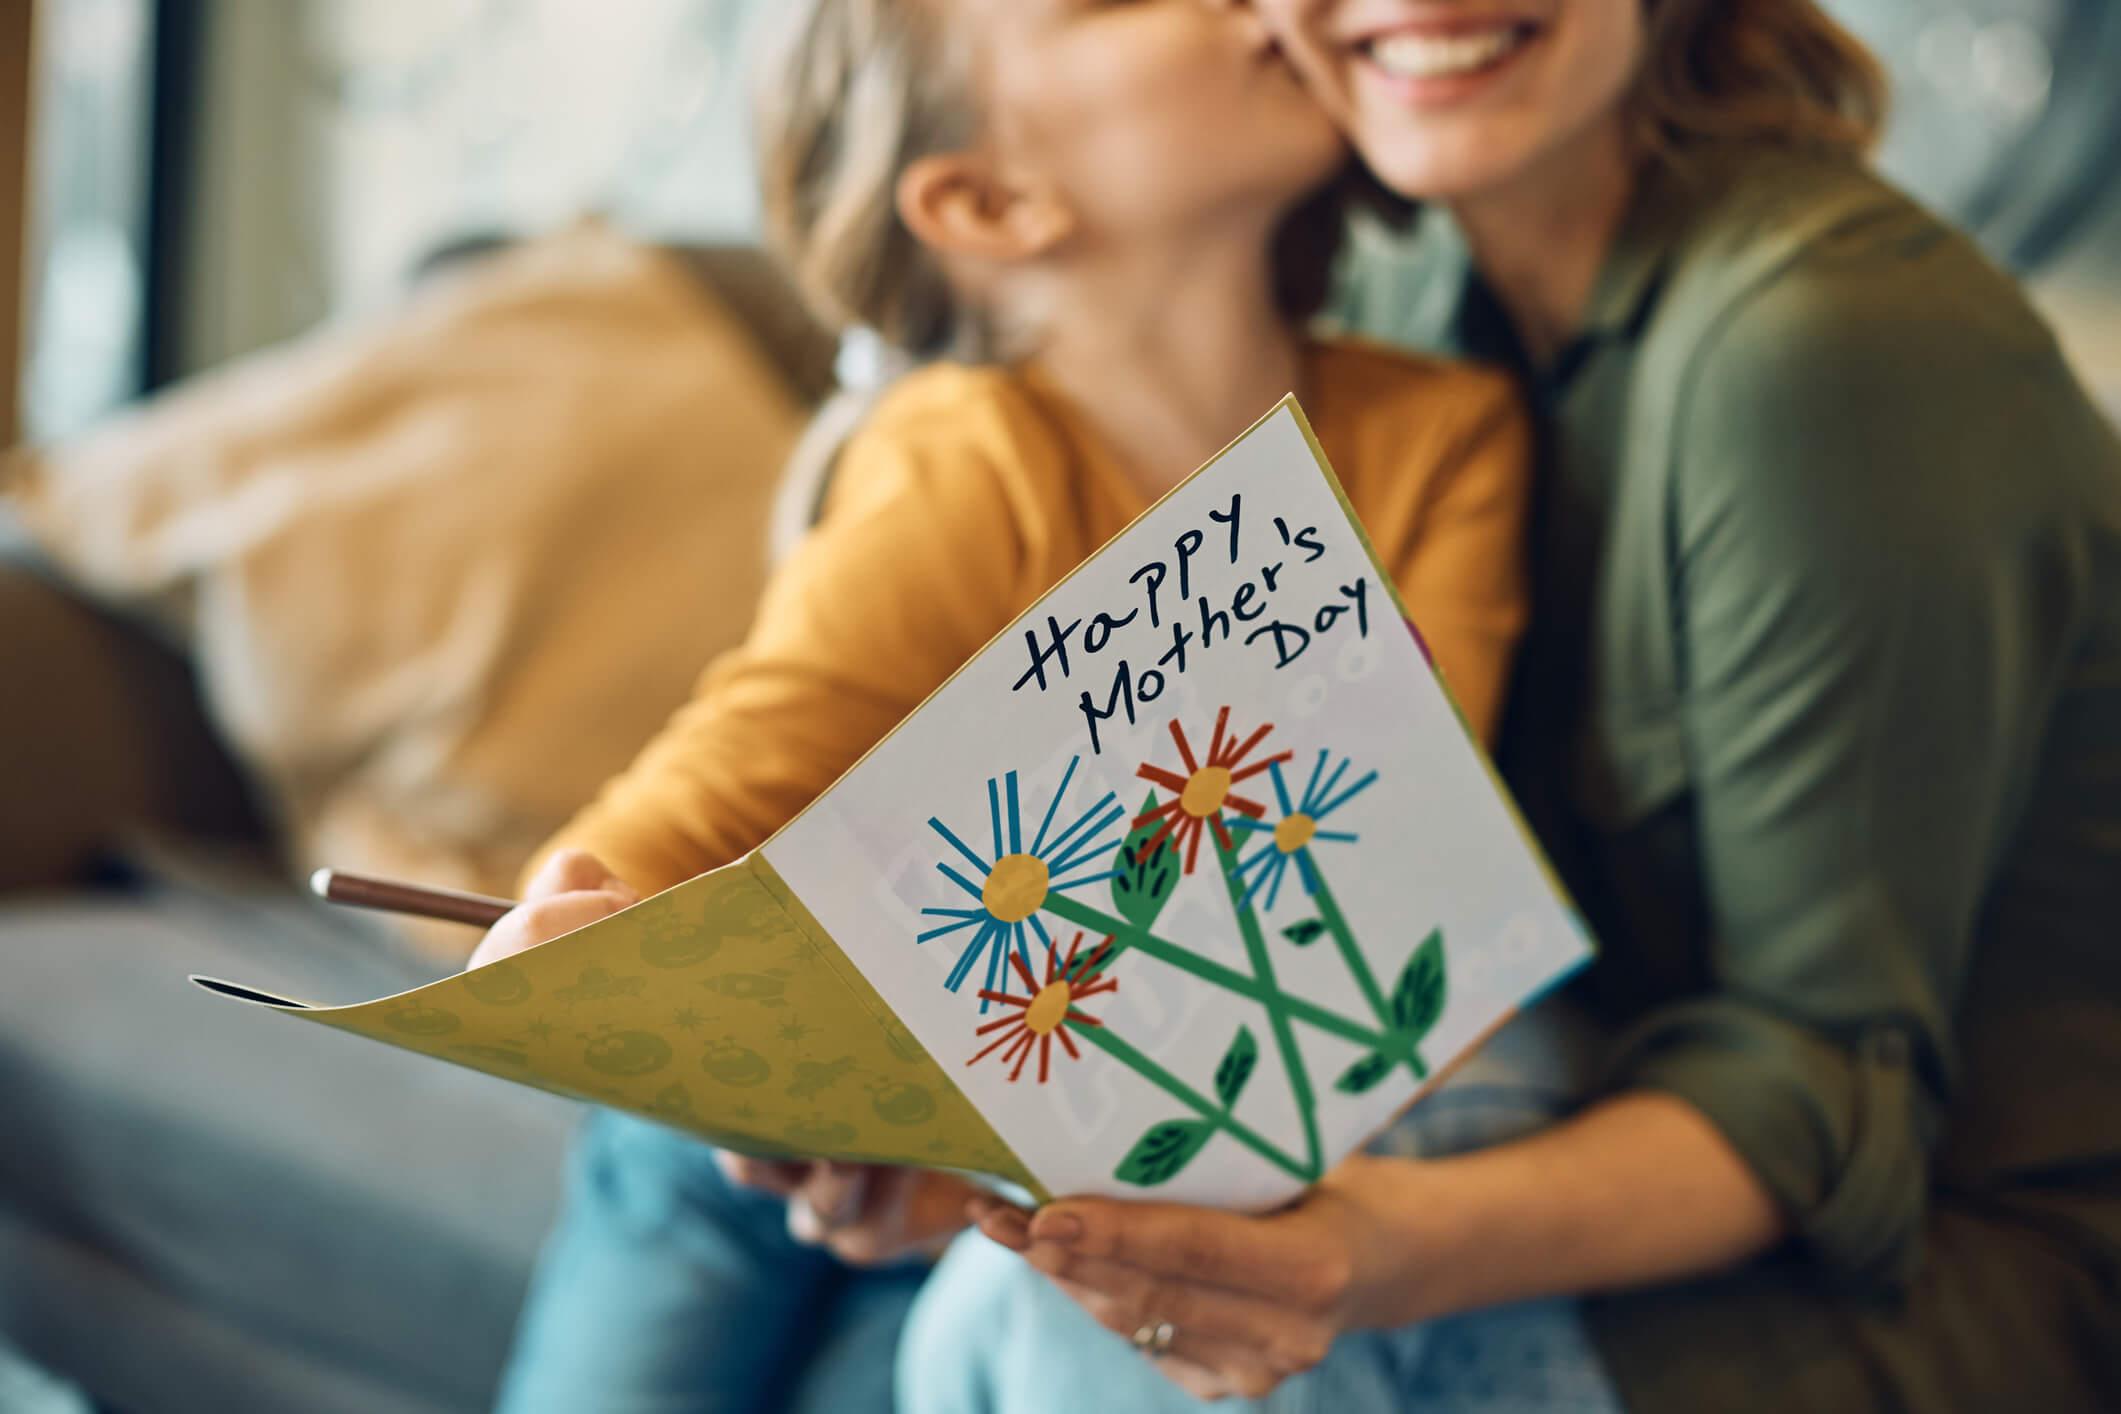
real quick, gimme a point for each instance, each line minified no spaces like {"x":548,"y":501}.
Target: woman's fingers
{"x":1216,"y":1327}
{"x":1000,"y":1222}
{"x":1196,"y":1380}
{"x":1250,"y":1301}
{"x":1270,"y":1257}
{"x":1205,"y":1366}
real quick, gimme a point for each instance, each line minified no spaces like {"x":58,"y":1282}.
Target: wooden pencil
{"x":396,"y":896}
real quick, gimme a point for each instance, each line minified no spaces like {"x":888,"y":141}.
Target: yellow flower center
{"x":1016,"y":888}
{"x":1205,"y":792}
{"x":1294,"y":832}
{"x":1048,"y":1009}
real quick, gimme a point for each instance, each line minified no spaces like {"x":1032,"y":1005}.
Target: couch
{"x":203,"y":1207}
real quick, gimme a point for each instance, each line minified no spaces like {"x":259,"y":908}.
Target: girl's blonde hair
{"x":850,"y":94}
{"x":1755,"y":70}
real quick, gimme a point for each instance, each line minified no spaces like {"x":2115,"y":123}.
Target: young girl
{"x":1080,"y":215}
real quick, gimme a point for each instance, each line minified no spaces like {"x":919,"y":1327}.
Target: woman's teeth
{"x":1423,"y":56}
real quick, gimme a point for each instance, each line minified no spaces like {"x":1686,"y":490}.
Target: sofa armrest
{"x":102,"y":734}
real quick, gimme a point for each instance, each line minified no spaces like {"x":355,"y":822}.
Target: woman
{"x":1820,"y":716}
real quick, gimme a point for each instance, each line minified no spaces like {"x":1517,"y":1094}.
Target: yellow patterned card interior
{"x":716,"y":1007}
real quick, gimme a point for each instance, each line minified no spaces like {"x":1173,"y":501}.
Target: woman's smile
{"x":1427,"y":63}
{"x":1452,"y":99}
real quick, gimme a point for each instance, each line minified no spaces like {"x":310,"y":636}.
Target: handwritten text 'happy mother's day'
{"x":1183,"y":622}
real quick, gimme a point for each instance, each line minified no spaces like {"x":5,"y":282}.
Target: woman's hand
{"x":863,"y":1214}
{"x":1639,"y":1189}
{"x":572,"y":890}
{"x":1250,"y":1300}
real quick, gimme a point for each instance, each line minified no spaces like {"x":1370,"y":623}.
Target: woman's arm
{"x":1878,"y":582}
{"x":1639,"y":1189}
{"x":1636,"y":1190}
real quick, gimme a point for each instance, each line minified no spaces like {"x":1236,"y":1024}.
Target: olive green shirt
{"x":1820,"y":718}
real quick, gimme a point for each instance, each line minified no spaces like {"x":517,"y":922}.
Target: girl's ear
{"x":956,"y":205}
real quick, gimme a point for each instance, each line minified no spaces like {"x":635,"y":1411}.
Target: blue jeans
{"x":989,"y":1335}
{"x":665,"y":1287}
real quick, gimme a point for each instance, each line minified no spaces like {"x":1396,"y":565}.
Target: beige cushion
{"x":444,"y":573}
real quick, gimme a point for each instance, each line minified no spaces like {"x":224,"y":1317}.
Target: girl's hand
{"x":1250,"y":1300}
{"x":862,"y":1214}
{"x":571,"y":890}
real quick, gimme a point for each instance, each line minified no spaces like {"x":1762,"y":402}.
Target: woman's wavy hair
{"x":1755,"y":70}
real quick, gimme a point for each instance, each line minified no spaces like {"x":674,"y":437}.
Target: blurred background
{"x":283,"y":162}
{"x":237,"y":204}
{"x":211,"y":176}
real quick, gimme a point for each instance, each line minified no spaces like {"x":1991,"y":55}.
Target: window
{"x":87,"y":271}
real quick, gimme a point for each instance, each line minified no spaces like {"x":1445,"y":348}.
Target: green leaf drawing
{"x":1305,"y":933}
{"x":1236,"y":1067}
{"x":1159,"y":1154}
{"x":1146,"y":878}
{"x":1417,"y":1001}
{"x":1364,"y":1074}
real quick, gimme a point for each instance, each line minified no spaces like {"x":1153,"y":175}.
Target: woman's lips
{"x":1441,"y":65}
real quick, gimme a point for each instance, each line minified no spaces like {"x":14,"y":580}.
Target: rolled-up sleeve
{"x":1862,"y":598}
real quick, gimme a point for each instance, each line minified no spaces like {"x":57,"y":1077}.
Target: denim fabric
{"x":991,"y":1336}
{"x":25,"y":1389}
{"x":664,"y":1287}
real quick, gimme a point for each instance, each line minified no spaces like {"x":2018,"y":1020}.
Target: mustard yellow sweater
{"x":972,"y":491}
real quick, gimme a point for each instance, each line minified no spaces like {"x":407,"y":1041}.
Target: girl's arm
{"x":916,"y":563}
{"x":1463,"y":572}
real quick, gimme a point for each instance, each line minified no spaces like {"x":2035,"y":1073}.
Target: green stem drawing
{"x":1216,"y":1116}
{"x":1344,"y":938}
{"x":1278,"y":1015}
{"x":1128,"y":938}
{"x":1144,"y":875}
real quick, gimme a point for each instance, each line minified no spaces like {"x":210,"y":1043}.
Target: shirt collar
{"x":1641,"y":253}
{"x":1627,"y":285}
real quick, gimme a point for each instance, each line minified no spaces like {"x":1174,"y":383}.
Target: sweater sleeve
{"x":1464,"y":576}
{"x":915,"y":564}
